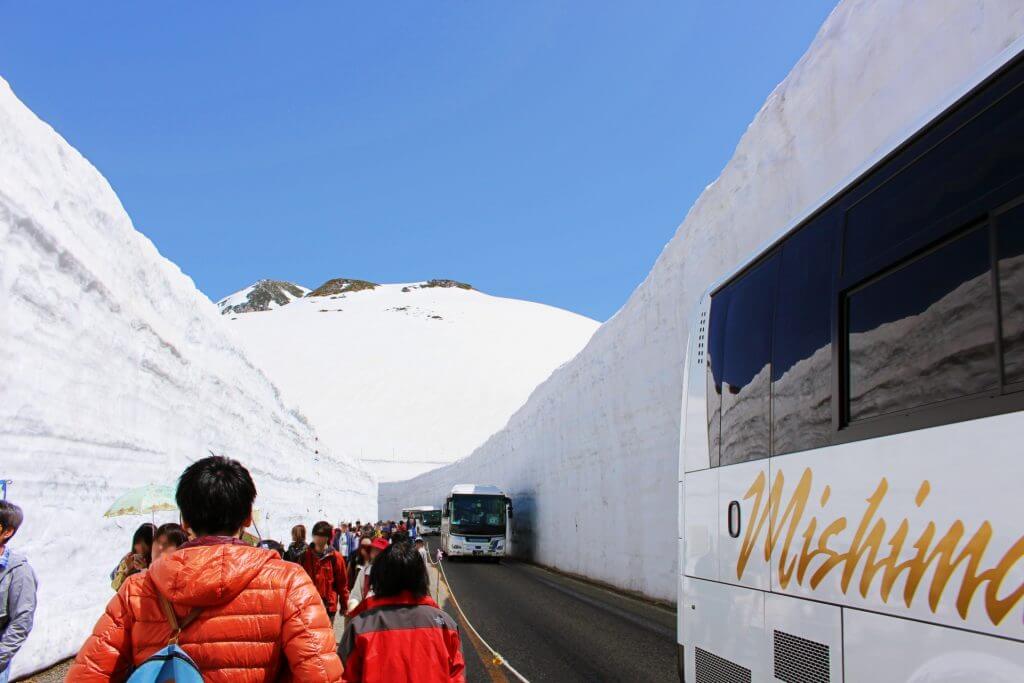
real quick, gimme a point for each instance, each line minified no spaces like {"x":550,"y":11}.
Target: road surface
{"x":553,"y":628}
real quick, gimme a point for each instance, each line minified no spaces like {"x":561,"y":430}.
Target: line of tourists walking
{"x":198,"y":595}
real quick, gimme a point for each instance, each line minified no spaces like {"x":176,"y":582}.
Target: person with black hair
{"x":138,"y":558}
{"x":168,"y":538}
{"x":251,"y":616}
{"x":271,"y":544}
{"x":326,"y":567}
{"x":17,"y":590}
{"x":399,"y":633}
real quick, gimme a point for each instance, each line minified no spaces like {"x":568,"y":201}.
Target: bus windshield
{"x":432,"y":518}
{"x":473,"y":514}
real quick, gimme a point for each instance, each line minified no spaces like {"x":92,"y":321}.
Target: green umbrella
{"x":148,"y":499}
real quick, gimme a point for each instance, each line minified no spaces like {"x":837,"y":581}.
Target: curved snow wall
{"x":591,"y":459}
{"x":116,"y":372}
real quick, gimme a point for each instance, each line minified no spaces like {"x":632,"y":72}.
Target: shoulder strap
{"x":172,"y":619}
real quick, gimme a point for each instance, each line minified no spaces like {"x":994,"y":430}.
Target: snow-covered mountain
{"x":262,"y":296}
{"x":407,"y":377}
{"x":115,"y":372}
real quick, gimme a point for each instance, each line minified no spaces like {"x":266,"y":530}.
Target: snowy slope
{"x":116,"y":372}
{"x":405,"y":376}
{"x":599,"y":441}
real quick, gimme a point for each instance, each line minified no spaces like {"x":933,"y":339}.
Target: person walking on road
{"x":17,"y":590}
{"x":326,"y":567}
{"x":421,"y":548}
{"x":357,"y":560}
{"x":353,"y":540}
{"x":251,"y":616}
{"x":361,"y":586}
{"x":399,"y":633}
{"x":298,"y":545}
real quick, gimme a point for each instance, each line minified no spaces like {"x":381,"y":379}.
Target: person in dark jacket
{"x":399,"y":633}
{"x":326,"y":567}
{"x":298,"y":547}
{"x":17,"y":591}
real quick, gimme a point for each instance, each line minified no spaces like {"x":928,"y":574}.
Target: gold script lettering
{"x":775,"y":523}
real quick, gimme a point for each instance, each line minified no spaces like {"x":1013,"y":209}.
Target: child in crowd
{"x":168,"y":538}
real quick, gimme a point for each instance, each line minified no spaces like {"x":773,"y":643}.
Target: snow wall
{"x":115,"y":371}
{"x":591,"y":459}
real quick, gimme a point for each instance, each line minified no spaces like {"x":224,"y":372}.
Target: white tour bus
{"x":475,"y":522}
{"x":852,"y":452}
{"x":428,"y":519}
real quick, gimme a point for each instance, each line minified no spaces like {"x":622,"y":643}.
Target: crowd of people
{"x":244,"y":609}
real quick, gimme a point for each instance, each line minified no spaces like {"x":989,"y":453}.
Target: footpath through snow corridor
{"x":547,"y":626}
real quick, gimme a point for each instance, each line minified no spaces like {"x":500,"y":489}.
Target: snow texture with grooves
{"x":116,"y":372}
{"x":595,"y":448}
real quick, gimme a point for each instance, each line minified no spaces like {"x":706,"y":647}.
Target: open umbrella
{"x":149,"y":499}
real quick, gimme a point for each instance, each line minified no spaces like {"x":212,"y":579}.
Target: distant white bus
{"x":475,"y":522}
{"x":428,"y":519}
{"x":852,"y":456}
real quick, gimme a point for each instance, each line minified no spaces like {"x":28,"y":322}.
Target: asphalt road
{"x":553,"y":628}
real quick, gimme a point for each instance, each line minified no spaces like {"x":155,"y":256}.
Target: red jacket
{"x":329,"y":576}
{"x":261,"y":619}
{"x":418,"y":643}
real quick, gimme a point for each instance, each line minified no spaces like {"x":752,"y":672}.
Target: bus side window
{"x":1010,"y":238}
{"x":802,"y":345}
{"x":746,"y":373}
{"x":952,"y":167}
{"x":923,"y":333}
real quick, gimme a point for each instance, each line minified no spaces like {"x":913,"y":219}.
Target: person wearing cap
{"x":361,"y":590}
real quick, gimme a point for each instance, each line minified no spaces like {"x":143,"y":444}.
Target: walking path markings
{"x":497,"y":659}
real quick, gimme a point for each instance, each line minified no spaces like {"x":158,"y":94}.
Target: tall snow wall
{"x":116,"y":372}
{"x":591,"y":459}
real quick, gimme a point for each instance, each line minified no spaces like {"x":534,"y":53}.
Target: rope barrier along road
{"x":497,"y":660}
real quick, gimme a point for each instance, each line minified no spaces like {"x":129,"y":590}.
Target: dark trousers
{"x":330,"y":614}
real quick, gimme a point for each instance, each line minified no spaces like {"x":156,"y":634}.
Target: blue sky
{"x":537,"y":149}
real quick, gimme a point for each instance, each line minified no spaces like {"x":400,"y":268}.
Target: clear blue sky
{"x":541,"y":149}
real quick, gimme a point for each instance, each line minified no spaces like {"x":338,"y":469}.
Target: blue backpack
{"x":171,"y":664}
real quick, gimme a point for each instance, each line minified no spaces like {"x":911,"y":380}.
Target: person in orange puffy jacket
{"x":260,"y":618}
